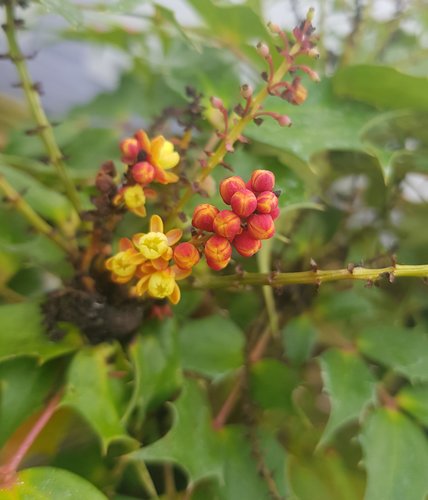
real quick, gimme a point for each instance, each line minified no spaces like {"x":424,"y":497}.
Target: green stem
{"x":313,"y":277}
{"x":39,"y":224}
{"x":44,"y":128}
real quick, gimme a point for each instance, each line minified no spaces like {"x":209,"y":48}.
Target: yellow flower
{"x":134,"y":199}
{"x":156,"y":245}
{"x":162,"y":284}
{"x":123,"y":265}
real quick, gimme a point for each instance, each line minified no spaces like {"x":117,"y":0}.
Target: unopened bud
{"x":310,"y":14}
{"x":266,"y":202}
{"x":299,"y":94}
{"x":227,"y":224}
{"x":284,"y":120}
{"x":243,"y":203}
{"x":218,"y":252}
{"x":261,"y":226}
{"x":246,"y":91}
{"x":203,"y":217}
{"x":246,"y":245}
{"x":263,"y":49}
{"x":143,"y":172}
{"x":186,"y":255}
{"x":275,"y":213}
{"x":262,"y":180}
{"x":313,"y":52}
{"x":129,"y":148}
{"x":274,"y":28}
{"x":229,"y":186}
{"x":217,"y":103}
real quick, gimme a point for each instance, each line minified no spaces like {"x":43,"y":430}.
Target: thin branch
{"x":315,"y":277}
{"x":39,"y":224}
{"x":44,"y":128}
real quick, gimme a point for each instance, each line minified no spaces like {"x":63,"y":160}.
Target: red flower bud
{"x":203,"y":216}
{"x":229,"y":186}
{"x":275,"y":213}
{"x":261,"y":226}
{"x":143,"y":172}
{"x":266,"y":202}
{"x":186,"y":255}
{"x":218,"y":252}
{"x":262,"y":180}
{"x":246,"y":245}
{"x":130,"y":149}
{"x":243,"y":202}
{"x":227,"y":224}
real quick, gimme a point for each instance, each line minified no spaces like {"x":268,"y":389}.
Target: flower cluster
{"x":147,"y":257}
{"x":254,"y":207}
{"x":148,"y":161}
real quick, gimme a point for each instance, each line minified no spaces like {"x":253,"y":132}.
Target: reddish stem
{"x":8,"y":471}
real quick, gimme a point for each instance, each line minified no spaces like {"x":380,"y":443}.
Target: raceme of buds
{"x":244,"y":202}
{"x":266,"y":202}
{"x":203,"y":217}
{"x":246,"y":245}
{"x":262,"y":180}
{"x":261,"y":226}
{"x":218,"y":252}
{"x":229,"y":186}
{"x":186,"y":255}
{"x":227,"y":224}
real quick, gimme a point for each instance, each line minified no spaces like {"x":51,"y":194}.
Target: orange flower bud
{"x":203,"y":216}
{"x":243,"y":202}
{"x":143,"y":172}
{"x":275,"y":213}
{"x":130,"y":149}
{"x":186,"y":255}
{"x":266,"y":202}
{"x":218,"y":252}
{"x":262,"y":180}
{"x":229,"y":186}
{"x":227,"y":224}
{"x":246,"y":245}
{"x":261,"y":226}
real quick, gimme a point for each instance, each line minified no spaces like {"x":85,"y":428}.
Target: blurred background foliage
{"x":338,"y":406}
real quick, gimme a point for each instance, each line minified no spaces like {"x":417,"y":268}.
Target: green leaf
{"x":156,"y":359}
{"x":24,"y":386}
{"x":47,"y":202}
{"x":396,"y":455}
{"x":212,"y":346}
{"x":89,"y":392}
{"x":350,"y":385}
{"x":415,"y":401}
{"x":298,"y":338}
{"x":65,"y":9}
{"x":22,"y":333}
{"x":322,"y":122}
{"x":271,"y":384}
{"x":381,"y":86}
{"x":47,"y":483}
{"x":403,"y":350}
{"x":191,"y":443}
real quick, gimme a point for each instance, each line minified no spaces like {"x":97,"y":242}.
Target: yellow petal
{"x":142,"y":285}
{"x":173,"y":236}
{"x":156,"y":224}
{"x":169,"y":160}
{"x":175,"y":295}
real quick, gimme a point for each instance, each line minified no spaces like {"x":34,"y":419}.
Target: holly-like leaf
{"x":212,"y":346}
{"x":402,"y":349}
{"x":47,"y":483}
{"x":415,"y":401}
{"x":381,"y":86}
{"x":396,"y":455}
{"x":192,"y":442}
{"x":298,"y":338}
{"x":90,"y":393}
{"x":350,"y":385}
{"x":24,"y":386}
{"x":156,"y":359}
{"x":22,"y":333}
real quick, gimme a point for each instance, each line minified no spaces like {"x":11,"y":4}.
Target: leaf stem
{"x":44,"y":128}
{"x":315,"y":277}
{"x":8,"y":471}
{"x":39,"y":224}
